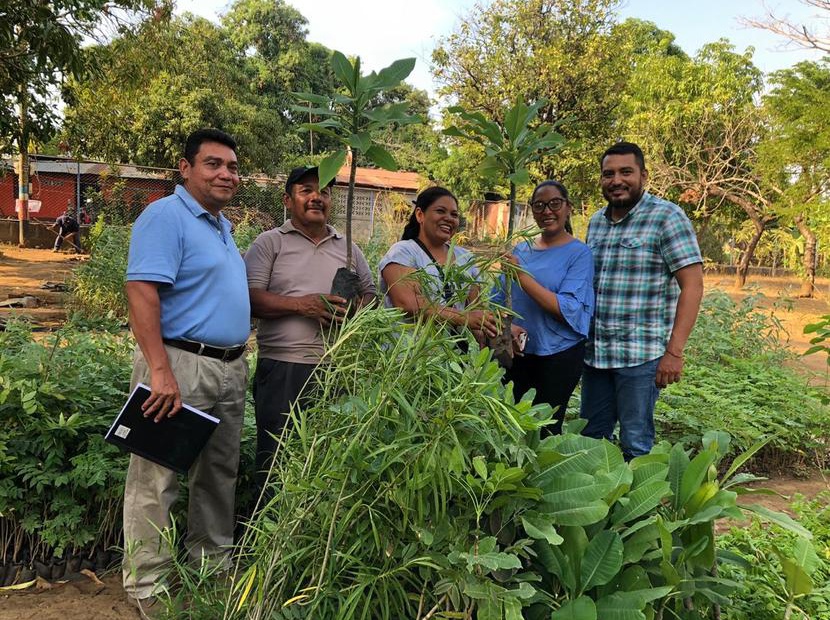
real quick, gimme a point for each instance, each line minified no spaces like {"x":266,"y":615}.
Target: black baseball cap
{"x":301,"y":172}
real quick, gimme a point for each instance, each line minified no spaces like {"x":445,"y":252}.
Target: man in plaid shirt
{"x":649,"y":283}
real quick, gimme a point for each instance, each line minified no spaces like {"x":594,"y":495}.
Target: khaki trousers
{"x":215,"y":387}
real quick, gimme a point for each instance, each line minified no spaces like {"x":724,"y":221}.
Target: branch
{"x":798,"y":34}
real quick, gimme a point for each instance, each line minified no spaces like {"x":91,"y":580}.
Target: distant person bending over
{"x":649,"y":283}
{"x":554,"y":300}
{"x":68,"y":228}
{"x":425,"y":245}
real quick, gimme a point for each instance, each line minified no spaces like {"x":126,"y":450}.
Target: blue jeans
{"x":624,"y":395}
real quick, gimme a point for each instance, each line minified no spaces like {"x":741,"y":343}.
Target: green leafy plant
{"x":509,"y":147}
{"x":739,"y":379}
{"x":97,"y":285}
{"x":60,"y":483}
{"x":351,"y":117}
{"x":782,"y":575}
{"x":416,"y":489}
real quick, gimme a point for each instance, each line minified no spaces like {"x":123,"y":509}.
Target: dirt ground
{"x":23,"y":272}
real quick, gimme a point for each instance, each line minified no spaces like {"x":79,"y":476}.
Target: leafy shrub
{"x":738,"y":378}
{"x":782,"y":575}
{"x":60,"y":483}
{"x":97,"y":286}
{"x":415,"y":487}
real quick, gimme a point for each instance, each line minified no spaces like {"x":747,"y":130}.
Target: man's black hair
{"x":625,"y":148}
{"x":200,"y":136}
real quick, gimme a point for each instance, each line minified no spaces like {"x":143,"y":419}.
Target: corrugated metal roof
{"x":382,"y":179}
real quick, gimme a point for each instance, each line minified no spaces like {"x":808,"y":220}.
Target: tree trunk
{"x":808,"y":286}
{"x":746,"y":259}
{"x":349,"y":209}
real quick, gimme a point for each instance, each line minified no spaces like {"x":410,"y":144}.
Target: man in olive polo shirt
{"x":290,"y":271}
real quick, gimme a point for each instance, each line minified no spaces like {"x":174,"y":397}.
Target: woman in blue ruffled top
{"x":554,"y":300}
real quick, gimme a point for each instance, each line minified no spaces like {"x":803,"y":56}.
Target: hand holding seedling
{"x":481,"y":320}
{"x":165,"y":399}
{"x":325,"y":308}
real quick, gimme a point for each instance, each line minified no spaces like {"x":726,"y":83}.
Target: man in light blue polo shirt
{"x":190,"y":314}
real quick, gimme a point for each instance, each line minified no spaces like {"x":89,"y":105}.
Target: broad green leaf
{"x":512,"y":609}
{"x":581,"y":514}
{"x":343,"y":70}
{"x":602,"y":561}
{"x":520,"y":177}
{"x":540,"y":526}
{"x":330,"y":165}
{"x":320,"y":100}
{"x":695,"y":475}
{"x":621,"y":606}
{"x":798,"y":582}
{"x":780,"y":519}
{"x":381,"y":157}
{"x":394,"y":74}
{"x":649,"y":472}
{"x":804,"y":554}
{"x":640,"y":501}
{"x":480,"y":466}
{"x":360,"y":141}
{"x":678,"y":464}
{"x":557,"y":563}
{"x":572,"y":488}
{"x":315,"y":111}
{"x":488,"y":609}
{"x":582,"y":608}
{"x":718,"y":439}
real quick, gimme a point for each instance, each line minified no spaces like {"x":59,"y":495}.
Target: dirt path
{"x":779,"y":296}
{"x":23,"y":272}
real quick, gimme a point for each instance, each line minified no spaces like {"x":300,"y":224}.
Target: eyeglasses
{"x":554,"y":204}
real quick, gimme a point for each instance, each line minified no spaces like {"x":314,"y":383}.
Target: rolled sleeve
{"x":576,"y":294}
{"x":155,"y":246}
{"x":259,"y":260}
{"x":678,"y":244}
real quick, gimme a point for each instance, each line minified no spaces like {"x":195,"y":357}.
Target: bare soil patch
{"x":24,"y":271}
{"x":69,"y":600}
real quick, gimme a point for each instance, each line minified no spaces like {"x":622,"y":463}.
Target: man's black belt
{"x":226,"y":355}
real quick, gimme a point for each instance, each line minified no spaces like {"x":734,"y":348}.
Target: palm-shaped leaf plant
{"x":352,"y":116}
{"x":509,"y":147}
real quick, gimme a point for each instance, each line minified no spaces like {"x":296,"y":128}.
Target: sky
{"x":380,"y":31}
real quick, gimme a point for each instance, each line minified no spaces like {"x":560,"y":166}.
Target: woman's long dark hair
{"x":423,"y":202}
{"x":562,"y":190}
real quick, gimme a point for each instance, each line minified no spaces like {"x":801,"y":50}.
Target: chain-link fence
{"x":119,"y":192}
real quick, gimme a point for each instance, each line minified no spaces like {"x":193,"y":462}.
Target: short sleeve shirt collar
{"x":198,"y":210}
{"x":288,"y":227}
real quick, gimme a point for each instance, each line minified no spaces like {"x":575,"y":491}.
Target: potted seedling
{"x":351,"y":117}
{"x":509,"y":147}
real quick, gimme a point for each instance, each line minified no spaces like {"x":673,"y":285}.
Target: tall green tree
{"x":156,"y":85}
{"x":796,"y":154}
{"x":40,"y":46}
{"x":562,"y":51}
{"x":698,"y":121}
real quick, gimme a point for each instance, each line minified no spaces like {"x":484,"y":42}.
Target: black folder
{"x":173,"y":442}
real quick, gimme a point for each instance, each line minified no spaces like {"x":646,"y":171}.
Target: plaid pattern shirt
{"x":636,"y":292}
